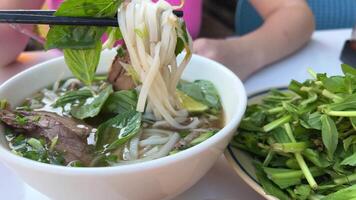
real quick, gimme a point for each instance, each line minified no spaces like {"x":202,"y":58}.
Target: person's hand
{"x":227,"y":52}
{"x":211,"y":48}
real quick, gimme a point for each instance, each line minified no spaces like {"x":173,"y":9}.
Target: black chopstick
{"x":30,"y":12}
{"x":47,"y":17}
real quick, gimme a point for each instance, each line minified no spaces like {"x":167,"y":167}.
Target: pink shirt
{"x":192,"y":13}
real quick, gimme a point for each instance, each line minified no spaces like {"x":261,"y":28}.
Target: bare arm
{"x":12,"y":43}
{"x":288,"y":26}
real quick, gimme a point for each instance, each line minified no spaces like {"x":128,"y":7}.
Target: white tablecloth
{"x":221,"y":182}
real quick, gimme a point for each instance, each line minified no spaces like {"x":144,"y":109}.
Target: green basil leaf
{"x":92,"y":106}
{"x":118,"y":130}
{"x":202,"y":91}
{"x":349,"y":141}
{"x":312,"y":121}
{"x":268,"y":185}
{"x":348,"y":102}
{"x":334,"y":84}
{"x":343,"y":194}
{"x":83,"y":63}
{"x":329,"y":135}
{"x":347,"y":69}
{"x":88,"y":8}
{"x":302,"y":192}
{"x":121,"y":101}
{"x":296,"y":86}
{"x":351,"y":160}
{"x":353,"y":122}
{"x":74,"y":37}
{"x":316,"y":158}
{"x":72,"y":97}
{"x":80,"y":37}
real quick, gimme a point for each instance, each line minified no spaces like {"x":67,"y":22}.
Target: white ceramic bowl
{"x":158,"y":179}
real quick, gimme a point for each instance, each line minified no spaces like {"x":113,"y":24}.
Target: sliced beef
{"x":118,"y":76}
{"x":72,"y":135}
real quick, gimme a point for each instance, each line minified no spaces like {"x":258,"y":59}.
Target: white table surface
{"x":221,"y":182}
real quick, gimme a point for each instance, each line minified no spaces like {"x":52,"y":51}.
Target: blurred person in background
{"x":12,"y":42}
{"x":288,"y":25}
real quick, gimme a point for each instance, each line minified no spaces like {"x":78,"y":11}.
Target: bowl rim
{"x":6,"y":155}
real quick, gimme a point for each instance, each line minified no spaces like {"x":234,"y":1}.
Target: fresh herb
{"x":82,"y":44}
{"x":92,"y":106}
{"x":72,"y":97}
{"x":303,"y":140}
{"x":83,"y":62}
{"x":202,"y":137}
{"x":202,"y":91}
{"x":80,"y":37}
{"x":118,"y":130}
{"x":4,"y":104}
{"x":21,"y":120}
{"x":34,"y":149}
{"x":121,"y":101}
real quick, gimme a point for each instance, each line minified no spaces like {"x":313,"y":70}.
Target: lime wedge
{"x":190,"y":104}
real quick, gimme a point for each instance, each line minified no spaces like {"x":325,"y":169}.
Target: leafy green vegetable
{"x":21,"y":120}
{"x":349,"y":141}
{"x":329,"y":134}
{"x":305,"y":135}
{"x":351,"y":160}
{"x":121,"y":101}
{"x":293,"y":147}
{"x":80,"y":37}
{"x":288,"y":177}
{"x":202,"y":91}
{"x":343,"y":194}
{"x":74,"y":37}
{"x":202,"y":138}
{"x":82,"y":44}
{"x":3,"y":104}
{"x":302,"y":192}
{"x":92,"y":106}
{"x":347,"y":69}
{"x":83,"y":63}
{"x":72,"y":96}
{"x":88,"y":8}
{"x":118,"y":130}
{"x":33,"y":148}
{"x":269,"y":186}
{"x":190,"y":104}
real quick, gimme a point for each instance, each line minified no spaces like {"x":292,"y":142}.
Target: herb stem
{"x":330,"y":95}
{"x":312,"y":73}
{"x":303,"y":166}
{"x":268,"y":159}
{"x":275,"y":110}
{"x":341,"y":113}
{"x":274,"y":124}
{"x":346,"y":179}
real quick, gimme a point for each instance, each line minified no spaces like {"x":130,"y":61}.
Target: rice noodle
{"x":163,"y":151}
{"x":134,"y":142}
{"x":154,"y":140}
{"x":150,"y":31}
{"x":68,"y":82}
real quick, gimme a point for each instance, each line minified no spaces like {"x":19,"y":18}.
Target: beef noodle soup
{"x":140,"y":111}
